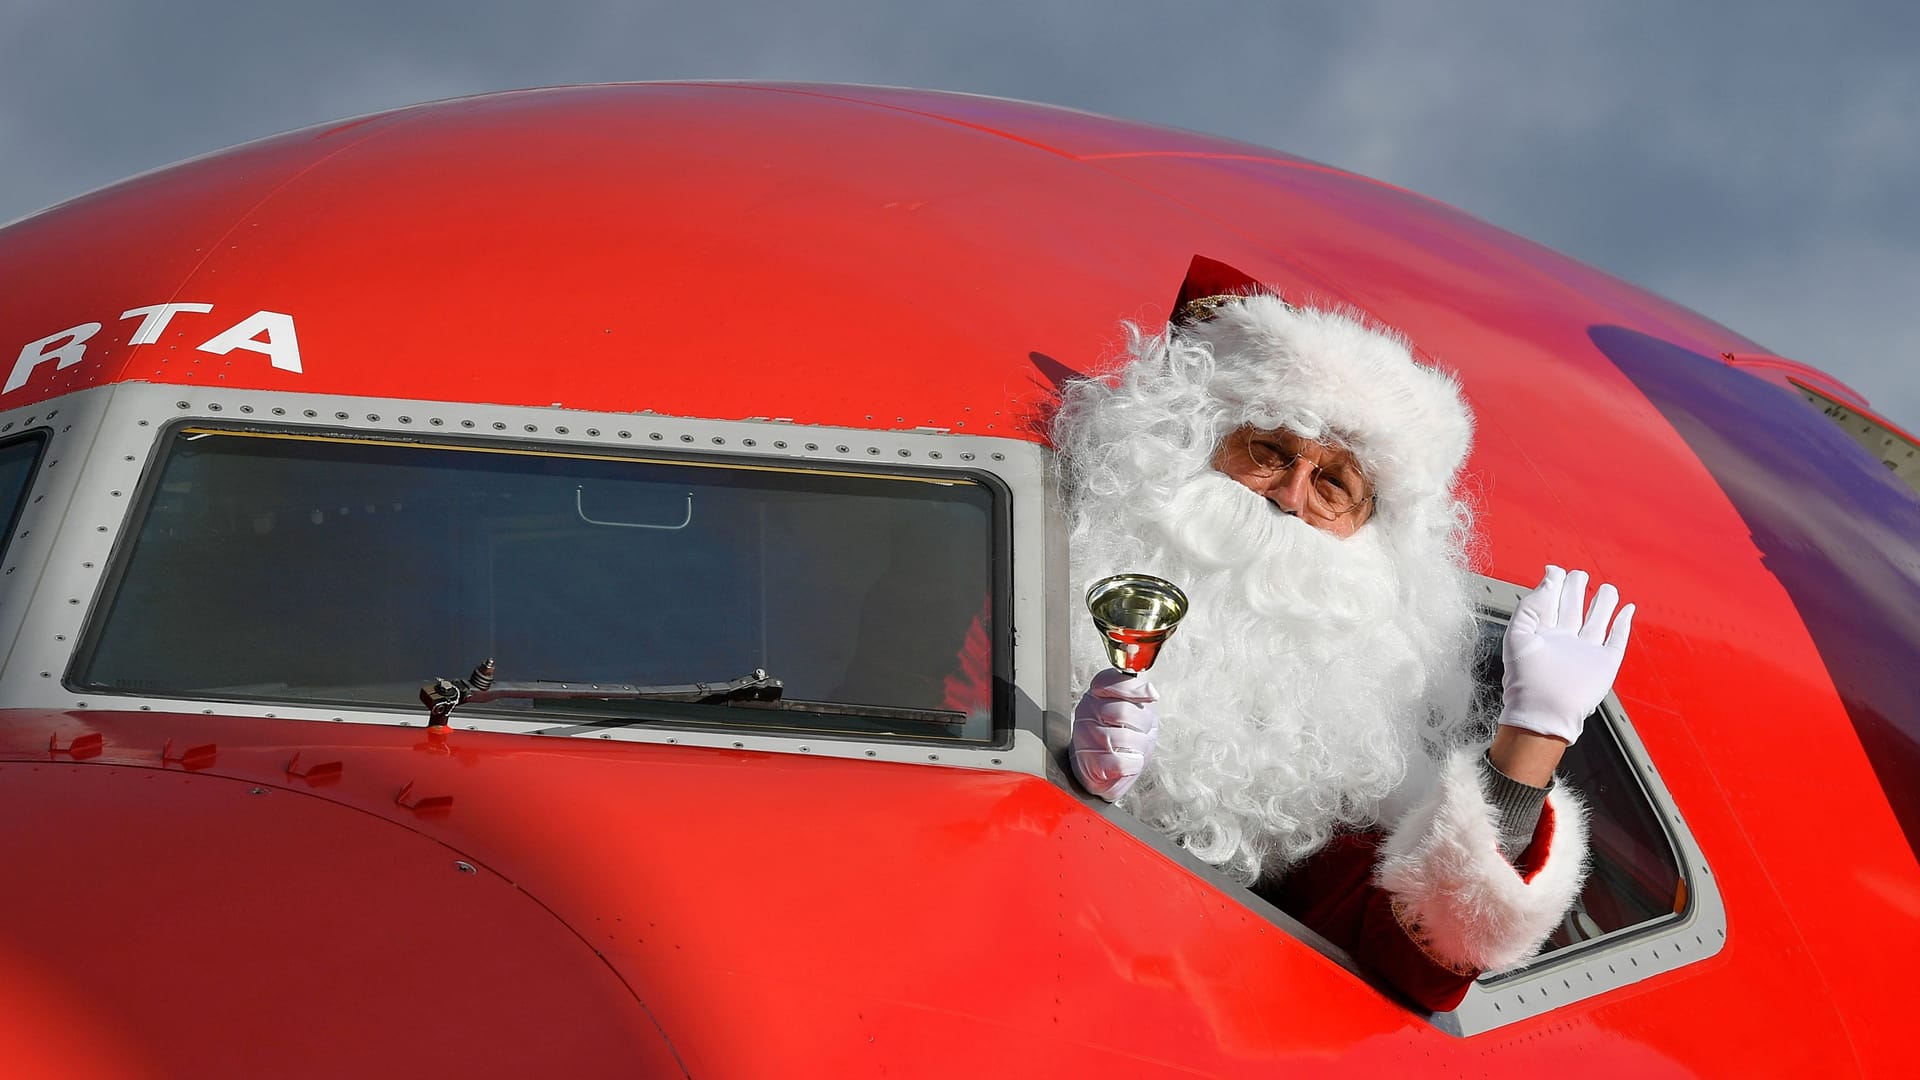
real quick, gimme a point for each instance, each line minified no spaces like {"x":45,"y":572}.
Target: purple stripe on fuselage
{"x":1839,"y":531}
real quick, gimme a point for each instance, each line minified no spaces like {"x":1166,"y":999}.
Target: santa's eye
{"x":1339,"y":491}
{"x":1267,"y":455}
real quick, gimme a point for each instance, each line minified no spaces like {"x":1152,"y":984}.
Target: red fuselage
{"x":211,"y":888}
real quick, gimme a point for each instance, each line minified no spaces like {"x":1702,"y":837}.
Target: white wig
{"x":1328,"y":375}
{"x":1317,"y":670}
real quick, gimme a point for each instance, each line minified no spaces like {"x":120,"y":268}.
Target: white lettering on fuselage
{"x":269,"y":333}
{"x":69,"y":346}
{"x":154,"y":320}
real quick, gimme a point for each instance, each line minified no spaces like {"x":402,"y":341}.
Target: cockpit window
{"x":281,"y":566}
{"x":1895,"y":448}
{"x":1635,"y":878}
{"x":18,"y":458}
{"x":1650,"y":903}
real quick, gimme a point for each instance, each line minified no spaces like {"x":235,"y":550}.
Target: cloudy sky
{"x":1759,"y":162}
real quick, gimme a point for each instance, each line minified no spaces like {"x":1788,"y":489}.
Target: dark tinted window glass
{"x":1635,"y":877}
{"x":304,"y":568}
{"x":18,"y":457}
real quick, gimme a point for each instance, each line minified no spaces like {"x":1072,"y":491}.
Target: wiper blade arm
{"x":442,"y":696}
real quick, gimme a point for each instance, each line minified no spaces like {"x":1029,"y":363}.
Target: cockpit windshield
{"x":302,"y":568}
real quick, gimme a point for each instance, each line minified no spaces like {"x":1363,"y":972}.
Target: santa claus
{"x":1311,"y":731}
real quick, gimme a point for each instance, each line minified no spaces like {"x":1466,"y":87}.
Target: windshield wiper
{"x":442,"y":696}
{"x":757,"y":690}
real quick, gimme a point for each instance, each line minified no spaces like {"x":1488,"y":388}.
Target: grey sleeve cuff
{"x":1517,"y":804}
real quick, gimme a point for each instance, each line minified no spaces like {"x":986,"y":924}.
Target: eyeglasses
{"x":1332,"y":491}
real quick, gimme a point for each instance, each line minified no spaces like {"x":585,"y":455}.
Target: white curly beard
{"x":1313,"y":675}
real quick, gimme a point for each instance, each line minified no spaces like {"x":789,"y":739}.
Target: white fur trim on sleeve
{"x":1453,"y":892}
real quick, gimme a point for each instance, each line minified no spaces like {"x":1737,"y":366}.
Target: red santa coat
{"x":1431,"y":903}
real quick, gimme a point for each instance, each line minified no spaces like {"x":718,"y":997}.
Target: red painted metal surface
{"x":1792,"y":374}
{"x":178,"y":917}
{"x":778,"y":915}
{"x":882,"y":259}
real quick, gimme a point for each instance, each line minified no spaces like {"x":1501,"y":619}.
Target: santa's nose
{"x":1289,"y":490}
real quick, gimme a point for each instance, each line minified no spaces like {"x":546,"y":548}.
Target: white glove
{"x":1558,"y":666}
{"x":1113,"y":733}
